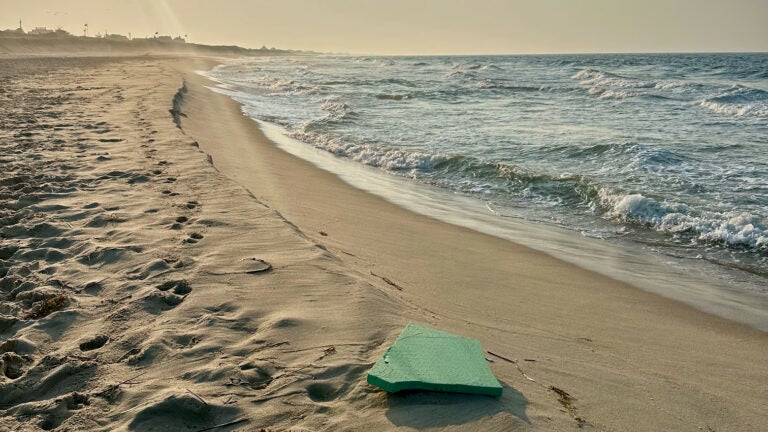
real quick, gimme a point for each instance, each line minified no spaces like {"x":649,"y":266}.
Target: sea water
{"x":664,"y":156}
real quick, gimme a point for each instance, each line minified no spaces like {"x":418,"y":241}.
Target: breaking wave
{"x":597,"y":78}
{"x":739,"y":229}
{"x":608,"y":85}
{"x":389,"y":159}
{"x":739,"y":101}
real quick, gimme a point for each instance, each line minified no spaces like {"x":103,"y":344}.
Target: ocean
{"x":656,"y":163}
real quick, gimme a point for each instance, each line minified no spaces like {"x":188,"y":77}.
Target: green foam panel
{"x":423,"y":358}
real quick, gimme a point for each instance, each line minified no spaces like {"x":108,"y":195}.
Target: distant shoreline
{"x":12,"y":43}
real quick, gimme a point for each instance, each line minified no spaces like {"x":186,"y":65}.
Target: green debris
{"x":423,"y":358}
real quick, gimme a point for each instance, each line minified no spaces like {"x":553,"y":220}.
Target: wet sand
{"x":139,"y":207}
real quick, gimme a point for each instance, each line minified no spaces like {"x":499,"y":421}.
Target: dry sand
{"x":131,"y":295}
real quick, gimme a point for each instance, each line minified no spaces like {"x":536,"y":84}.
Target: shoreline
{"x":647,"y":241}
{"x":697,"y":285}
{"x":342,"y":218}
{"x":141,"y":227}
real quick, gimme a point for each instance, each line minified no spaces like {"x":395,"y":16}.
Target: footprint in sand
{"x":180,"y":287}
{"x":14,"y":357}
{"x":61,"y":409}
{"x":94,"y":342}
{"x":255,"y":374}
{"x":170,"y":293}
{"x":182,"y":412}
{"x":193,"y":238}
{"x":179,"y":221}
{"x":321,"y":392}
{"x":11,"y":365}
{"x":140,"y":178}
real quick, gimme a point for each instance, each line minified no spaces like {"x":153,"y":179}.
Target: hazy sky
{"x":420,"y":26}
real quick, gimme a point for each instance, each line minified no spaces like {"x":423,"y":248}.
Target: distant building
{"x":179,"y":39}
{"x":164,"y":38}
{"x":40,"y":31}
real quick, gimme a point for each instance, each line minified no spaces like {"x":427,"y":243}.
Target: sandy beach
{"x":164,"y":266}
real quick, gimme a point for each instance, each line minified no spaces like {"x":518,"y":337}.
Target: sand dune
{"x":148,"y":284}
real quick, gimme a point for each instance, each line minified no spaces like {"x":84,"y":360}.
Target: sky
{"x":403,"y":27}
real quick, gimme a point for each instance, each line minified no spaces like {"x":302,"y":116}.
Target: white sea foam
{"x":611,"y":86}
{"x":389,"y":159}
{"x":739,"y":101}
{"x":731,"y":228}
{"x":757,"y":109}
{"x":597,"y":78}
{"x":334,"y":106}
{"x":671,"y":85}
{"x":611,"y":94}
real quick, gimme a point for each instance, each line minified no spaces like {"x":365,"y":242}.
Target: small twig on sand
{"x":198,"y":396}
{"x":325,"y":347}
{"x":388,"y":281}
{"x":233,"y":422}
{"x":514,"y":362}
{"x":128,"y":381}
{"x":502,"y":357}
{"x":111,"y":390}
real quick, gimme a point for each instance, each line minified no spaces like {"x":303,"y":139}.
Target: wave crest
{"x":598,"y":78}
{"x":740,"y":229}
{"x":389,"y":159}
{"x":739,"y":101}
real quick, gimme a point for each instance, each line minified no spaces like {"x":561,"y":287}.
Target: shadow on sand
{"x":424,"y":409}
